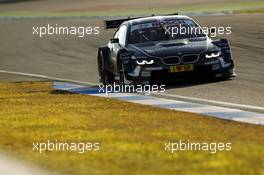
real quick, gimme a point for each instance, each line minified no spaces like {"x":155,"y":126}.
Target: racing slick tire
{"x":106,"y":77}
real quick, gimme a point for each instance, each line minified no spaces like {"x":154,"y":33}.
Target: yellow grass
{"x":132,"y":136}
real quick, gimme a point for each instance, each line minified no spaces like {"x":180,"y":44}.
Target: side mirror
{"x":114,"y":40}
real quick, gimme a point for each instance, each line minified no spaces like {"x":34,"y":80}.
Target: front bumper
{"x":159,"y":72}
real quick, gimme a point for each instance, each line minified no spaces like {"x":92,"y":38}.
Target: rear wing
{"x":115,"y":23}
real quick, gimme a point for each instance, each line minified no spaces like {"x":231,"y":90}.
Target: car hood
{"x":173,"y":47}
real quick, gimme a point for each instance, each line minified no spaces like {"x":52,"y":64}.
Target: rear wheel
{"x":106,"y":77}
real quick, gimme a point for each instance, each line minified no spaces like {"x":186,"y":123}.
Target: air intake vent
{"x":171,"y":60}
{"x":190,"y":58}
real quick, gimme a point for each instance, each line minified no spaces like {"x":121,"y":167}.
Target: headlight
{"x":142,"y":60}
{"x":145,"y":62}
{"x":213,"y":54}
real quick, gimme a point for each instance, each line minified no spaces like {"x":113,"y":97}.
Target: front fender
{"x":224,"y":45}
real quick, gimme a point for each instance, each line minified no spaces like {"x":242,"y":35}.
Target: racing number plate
{"x":181,"y":68}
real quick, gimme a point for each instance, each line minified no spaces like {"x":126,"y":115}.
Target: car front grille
{"x":189,"y":58}
{"x":171,"y":60}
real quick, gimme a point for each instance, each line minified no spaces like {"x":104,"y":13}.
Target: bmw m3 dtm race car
{"x":154,"y":48}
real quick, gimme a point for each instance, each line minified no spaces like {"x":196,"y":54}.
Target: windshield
{"x":160,"y":31}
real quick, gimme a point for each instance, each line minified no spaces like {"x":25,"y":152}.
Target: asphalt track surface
{"x":74,"y":58}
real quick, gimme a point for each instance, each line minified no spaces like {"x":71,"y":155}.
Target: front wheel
{"x":106,"y":77}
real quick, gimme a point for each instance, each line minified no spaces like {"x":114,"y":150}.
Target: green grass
{"x":132,"y":136}
{"x":238,"y":7}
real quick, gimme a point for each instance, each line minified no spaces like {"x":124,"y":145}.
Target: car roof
{"x":155,"y":18}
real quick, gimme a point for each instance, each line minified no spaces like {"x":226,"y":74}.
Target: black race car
{"x":153,"y":48}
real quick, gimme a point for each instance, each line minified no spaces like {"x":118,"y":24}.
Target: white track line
{"x":178,"y":97}
{"x":204,"y":109}
{"x":214,"y":102}
{"x":48,"y":77}
{"x":10,"y":166}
